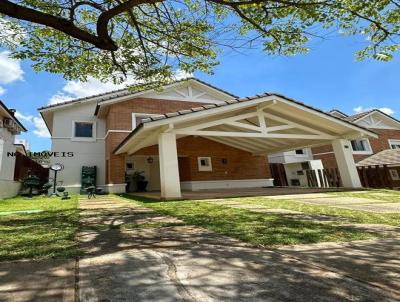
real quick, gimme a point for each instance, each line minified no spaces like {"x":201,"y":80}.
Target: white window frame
{"x":393,"y":142}
{"x":84,"y":139}
{"x":366,"y":152}
{"x":394,"y":174}
{"x":207,"y":168}
{"x":139,"y":114}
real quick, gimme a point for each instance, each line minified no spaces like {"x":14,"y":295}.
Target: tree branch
{"x":102,"y":40}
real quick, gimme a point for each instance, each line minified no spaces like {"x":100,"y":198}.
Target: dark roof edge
{"x":227,"y":103}
{"x":127,"y":89}
{"x":12,"y":116}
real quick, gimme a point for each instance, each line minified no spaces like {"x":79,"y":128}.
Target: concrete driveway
{"x":126,"y":259}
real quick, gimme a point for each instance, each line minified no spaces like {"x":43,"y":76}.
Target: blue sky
{"x":328,"y":77}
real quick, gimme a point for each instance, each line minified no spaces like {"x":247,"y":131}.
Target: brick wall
{"x":377,"y":144}
{"x":240,"y":164}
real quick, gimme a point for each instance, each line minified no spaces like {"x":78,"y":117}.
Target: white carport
{"x":267,"y":123}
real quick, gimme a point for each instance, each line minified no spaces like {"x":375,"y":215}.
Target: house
{"x":390,"y":159}
{"x":295,"y":163}
{"x":10,"y":126}
{"x":385,"y":126}
{"x":189,"y":135}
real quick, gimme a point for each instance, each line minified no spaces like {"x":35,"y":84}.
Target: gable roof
{"x":197,"y":110}
{"x":358,"y":116}
{"x":127,"y":92}
{"x":333,"y":111}
{"x":385,"y":157}
{"x":12,"y":116}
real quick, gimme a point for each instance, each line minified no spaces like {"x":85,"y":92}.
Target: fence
{"x":324,"y":178}
{"x":278,"y":174}
{"x":375,"y":177}
{"x":24,"y":165}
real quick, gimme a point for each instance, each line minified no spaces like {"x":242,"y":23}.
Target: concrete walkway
{"x":128,"y":259}
{"x":134,"y":254}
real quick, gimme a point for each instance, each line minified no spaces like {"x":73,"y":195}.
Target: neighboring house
{"x":10,"y":126}
{"x":295,"y":163}
{"x":189,"y":135}
{"x":389,"y":158}
{"x":385,"y":126}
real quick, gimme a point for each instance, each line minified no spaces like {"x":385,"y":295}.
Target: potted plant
{"x":140,"y":180}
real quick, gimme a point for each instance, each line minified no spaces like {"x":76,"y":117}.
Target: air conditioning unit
{"x":8,"y":123}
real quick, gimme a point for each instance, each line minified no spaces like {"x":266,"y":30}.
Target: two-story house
{"x":385,"y":126}
{"x":188,"y":135}
{"x":10,"y":126}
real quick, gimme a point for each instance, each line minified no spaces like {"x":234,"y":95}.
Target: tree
{"x":150,"y":39}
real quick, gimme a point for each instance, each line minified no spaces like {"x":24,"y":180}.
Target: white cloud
{"x":386,"y":110}
{"x":41,"y":129}
{"x":59,"y":98}
{"x":26,"y":118}
{"x":11,"y":70}
{"x":2,"y":90}
{"x":37,"y":121}
{"x":78,"y":89}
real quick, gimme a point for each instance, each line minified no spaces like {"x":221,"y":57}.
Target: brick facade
{"x":239,"y":164}
{"x":326,"y":155}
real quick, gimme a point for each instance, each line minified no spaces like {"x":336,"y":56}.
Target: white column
{"x":345,"y":161}
{"x":169,"y":171}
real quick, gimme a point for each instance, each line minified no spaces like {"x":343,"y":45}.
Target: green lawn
{"x":377,"y":194}
{"x":48,"y":231}
{"x":353,"y":215}
{"x":257,"y":228}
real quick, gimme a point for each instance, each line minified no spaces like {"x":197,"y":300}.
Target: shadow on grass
{"x":39,"y":235}
{"x":265,"y":229}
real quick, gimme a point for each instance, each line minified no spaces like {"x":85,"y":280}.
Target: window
{"x":204,"y":163}
{"x":361,"y":146}
{"x":394,"y":174}
{"x":83,"y":130}
{"x":300,"y":152}
{"x":394,"y":143}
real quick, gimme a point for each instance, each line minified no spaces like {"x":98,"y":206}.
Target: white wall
{"x":7,"y":163}
{"x":86,"y":153}
{"x":8,"y":187}
{"x":290,"y":157}
{"x":292,"y":169}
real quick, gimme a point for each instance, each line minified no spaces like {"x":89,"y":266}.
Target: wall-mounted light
{"x":224,"y":161}
{"x":150,"y":160}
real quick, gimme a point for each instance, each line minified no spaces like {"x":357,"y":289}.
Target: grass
{"x":257,"y":228}
{"x":377,"y":194}
{"x":49,"y":233}
{"x":354,"y":216}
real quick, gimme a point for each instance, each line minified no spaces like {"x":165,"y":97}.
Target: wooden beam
{"x":248,"y":134}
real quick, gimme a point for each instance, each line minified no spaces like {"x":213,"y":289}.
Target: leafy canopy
{"x":151,"y":39}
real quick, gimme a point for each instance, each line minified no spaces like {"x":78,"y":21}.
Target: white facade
{"x":86,"y":152}
{"x":8,"y":187}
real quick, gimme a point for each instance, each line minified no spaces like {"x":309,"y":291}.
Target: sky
{"x":328,"y":77}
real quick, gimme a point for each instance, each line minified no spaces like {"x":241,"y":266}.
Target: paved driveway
{"x":127,"y":258}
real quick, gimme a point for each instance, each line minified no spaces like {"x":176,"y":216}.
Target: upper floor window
{"x":394,"y":143}
{"x":83,"y":130}
{"x":361,"y":146}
